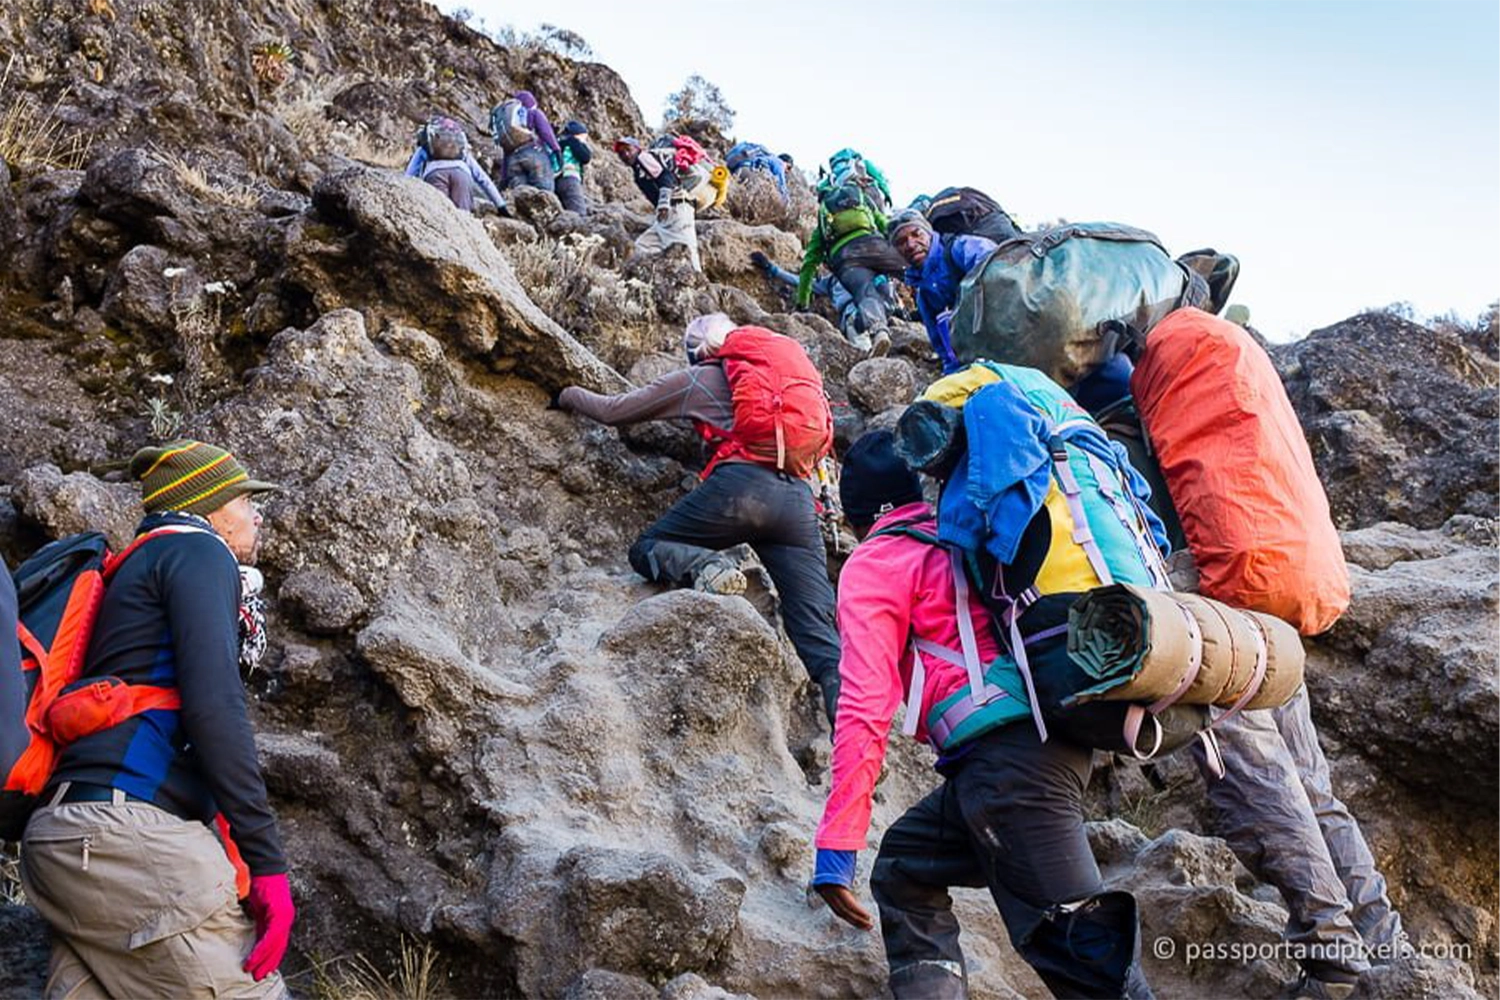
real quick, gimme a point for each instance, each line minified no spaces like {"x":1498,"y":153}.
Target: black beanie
{"x":875,"y":480}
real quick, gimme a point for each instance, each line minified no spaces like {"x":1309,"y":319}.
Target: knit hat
{"x":191,"y":476}
{"x":874,"y":480}
{"x":575,"y":128}
{"x":905,"y":219}
{"x":705,"y":335}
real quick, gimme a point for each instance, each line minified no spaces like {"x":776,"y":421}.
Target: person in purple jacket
{"x":532,"y":154}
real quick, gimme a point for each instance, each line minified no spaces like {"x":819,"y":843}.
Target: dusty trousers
{"x":1276,"y":809}
{"x":1009,"y":817}
{"x":529,"y":165}
{"x":141,"y":904}
{"x":679,"y":228}
{"x":741,"y":502}
{"x":857,"y":264}
{"x":569,"y":190}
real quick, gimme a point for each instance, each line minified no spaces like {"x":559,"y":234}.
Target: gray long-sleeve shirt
{"x":698,"y":392}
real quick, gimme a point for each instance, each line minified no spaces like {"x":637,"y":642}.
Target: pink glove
{"x":270,"y":903}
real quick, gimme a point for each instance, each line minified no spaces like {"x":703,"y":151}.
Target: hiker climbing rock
{"x":576,"y":154}
{"x":658,"y":176}
{"x":120,"y":858}
{"x":752,"y":156}
{"x":850,"y":238}
{"x":530,"y":152}
{"x":756,"y":490}
{"x":827,"y":286}
{"x":444,"y":160}
{"x":1009,"y":814}
{"x":936,"y":268}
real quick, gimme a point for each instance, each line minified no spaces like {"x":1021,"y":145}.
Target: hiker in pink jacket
{"x":1009,"y":814}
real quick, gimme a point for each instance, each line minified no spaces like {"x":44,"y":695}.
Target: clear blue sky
{"x":1347,"y":152}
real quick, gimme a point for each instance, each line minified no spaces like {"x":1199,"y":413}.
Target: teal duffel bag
{"x":1061,"y":300}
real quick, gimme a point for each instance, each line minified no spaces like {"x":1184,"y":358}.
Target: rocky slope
{"x":481,"y":730}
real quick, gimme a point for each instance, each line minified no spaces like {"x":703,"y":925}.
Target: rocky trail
{"x":482,"y":732}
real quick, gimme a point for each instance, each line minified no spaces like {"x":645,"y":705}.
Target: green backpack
{"x":844,"y":211}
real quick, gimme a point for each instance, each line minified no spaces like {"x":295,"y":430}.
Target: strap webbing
{"x":1136,"y":715}
{"x":1082,"y":535}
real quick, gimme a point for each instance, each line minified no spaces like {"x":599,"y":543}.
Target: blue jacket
{"x":937,"y":282}
{"x":752,"y":156}
{"x":13,"y":695}
{"x":993,"y":495}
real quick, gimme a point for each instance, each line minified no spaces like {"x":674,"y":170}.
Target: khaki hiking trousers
{"x":678,"y":228}
{"x":141,"y":904}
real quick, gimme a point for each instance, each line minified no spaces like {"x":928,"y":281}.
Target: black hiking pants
{"x":773,"y":512}
{"x":857,"y":264}
{"x":1009,"y":817}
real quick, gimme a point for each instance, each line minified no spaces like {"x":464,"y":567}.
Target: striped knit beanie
{"x":191,"y":476}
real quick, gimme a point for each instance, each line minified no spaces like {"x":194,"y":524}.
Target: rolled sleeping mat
{"x":1162,"y":647}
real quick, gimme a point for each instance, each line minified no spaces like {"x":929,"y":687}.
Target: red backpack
{"x":686,"y":152}
{"x":781,"y":415}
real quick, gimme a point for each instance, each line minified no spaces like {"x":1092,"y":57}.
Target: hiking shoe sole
{"x":881,"y":345}
{"x":725,"y":581}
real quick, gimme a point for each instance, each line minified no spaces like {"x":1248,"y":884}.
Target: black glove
{"x":761,"y":261}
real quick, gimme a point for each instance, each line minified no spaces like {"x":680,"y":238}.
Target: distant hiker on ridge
{"x":576,"y":154}
{"x":443,"y":159}
{"x":755,"y":490}
{"x":529,"y":148}
{"x":657,"y":177}
{"x":850,"y":237}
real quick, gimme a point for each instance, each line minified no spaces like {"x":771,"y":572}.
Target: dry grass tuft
{"x":417,"y":976}
{"x":34,"y":136}
{"x":306,"y":108}
{"x":11,"y":893}
{"x":234,"y":193}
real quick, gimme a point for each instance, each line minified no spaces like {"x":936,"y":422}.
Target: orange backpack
{"x":1239,"y":471}
{"x":781,"y":415}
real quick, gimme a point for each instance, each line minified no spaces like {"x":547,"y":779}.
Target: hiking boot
{"x":1308,"y":988}
{"x":722,"y":574}
{"x":881,"y":345}
{"x":860,"y":341}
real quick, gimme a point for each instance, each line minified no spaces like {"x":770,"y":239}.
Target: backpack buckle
{"x":101,"y":690}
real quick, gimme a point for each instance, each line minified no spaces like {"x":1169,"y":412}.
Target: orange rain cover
{"x":1240,"y":472}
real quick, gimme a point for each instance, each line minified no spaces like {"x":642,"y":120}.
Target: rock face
{"x":482,"y":731}
{"x":1401,"y":420}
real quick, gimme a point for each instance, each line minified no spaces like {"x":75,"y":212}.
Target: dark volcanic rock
{"x":1401,"y":419}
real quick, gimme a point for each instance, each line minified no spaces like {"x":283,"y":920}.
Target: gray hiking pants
{"x":1276,"y":808}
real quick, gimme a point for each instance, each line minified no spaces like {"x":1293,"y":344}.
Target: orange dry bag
{"x":1240,"y":472}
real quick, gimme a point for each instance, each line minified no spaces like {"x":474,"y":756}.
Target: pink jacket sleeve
{"x":874,"y":624}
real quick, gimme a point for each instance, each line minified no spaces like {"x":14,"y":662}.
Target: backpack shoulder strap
{"x":113,"y":562}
